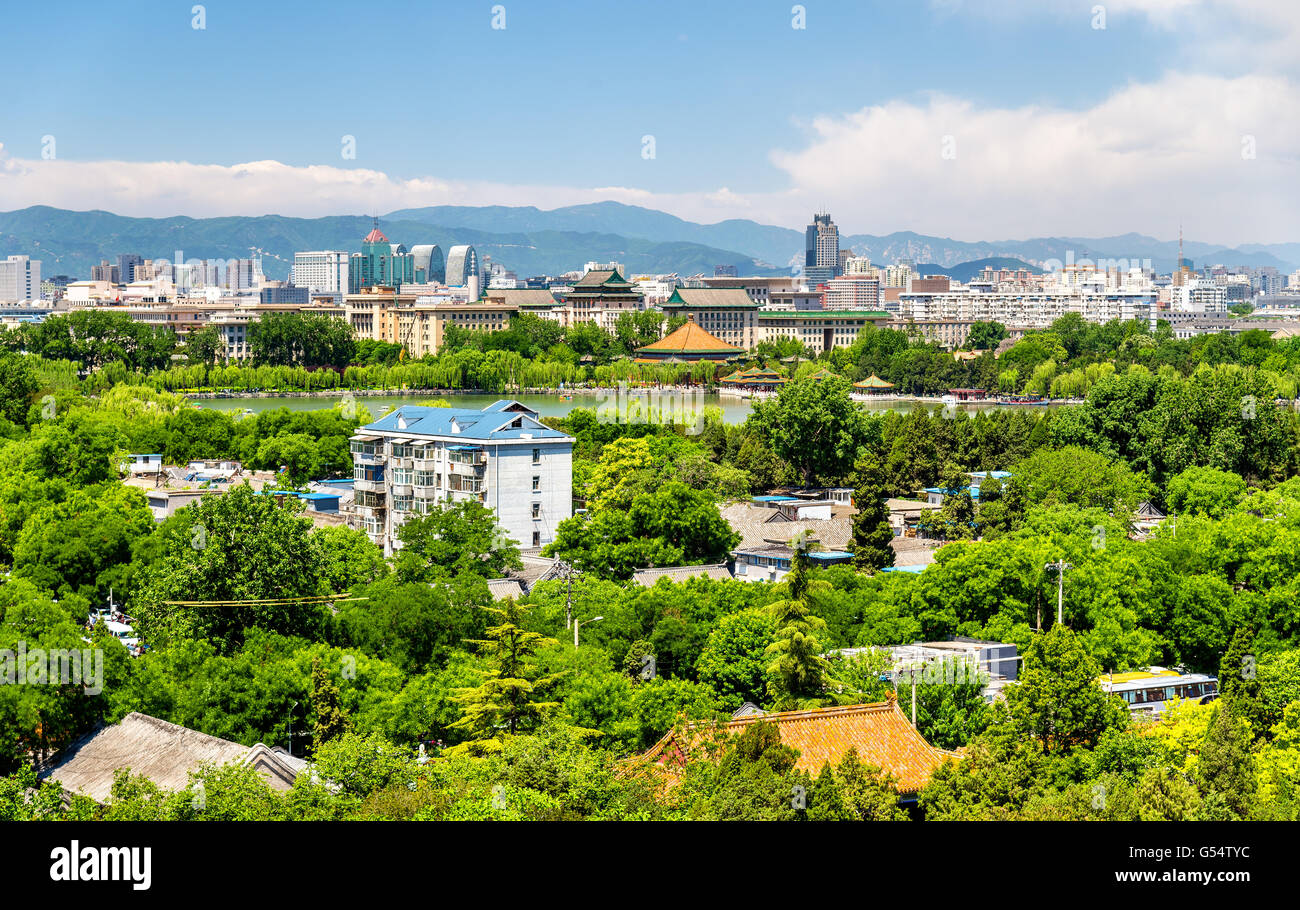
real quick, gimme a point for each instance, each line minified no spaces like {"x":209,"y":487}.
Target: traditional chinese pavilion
{"x":686,"y":344}
{"x":874,"y":385}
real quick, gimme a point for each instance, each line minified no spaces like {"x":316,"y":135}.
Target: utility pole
{"x":566,"y":569}
{"x":1060,"y":566}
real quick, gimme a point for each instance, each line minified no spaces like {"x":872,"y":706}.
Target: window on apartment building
{"x":537,"y":456}
{"x":537,"y":510}
{"x":537,"y":484}
{"x":537,"y":538}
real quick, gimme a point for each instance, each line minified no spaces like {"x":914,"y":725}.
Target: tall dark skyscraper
{"x":126,"y":263}
{"x":821,"y":250}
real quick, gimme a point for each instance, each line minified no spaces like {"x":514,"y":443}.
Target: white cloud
{"x":160,"y":188}
{"x":1144,"y":159}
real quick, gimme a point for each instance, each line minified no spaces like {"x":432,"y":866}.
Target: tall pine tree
{"x":331,"y":722}
{"x":798,"y":676}
{"x":1226,"y":769}
{"x":1239,"y":684}
{"x":507,"y":701}
{"x":871,"y":530}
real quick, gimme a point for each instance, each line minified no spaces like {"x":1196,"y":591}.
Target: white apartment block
{"x":897,"y":275}
{"x":416,"y":459}
{"x":20,"y":279}
{"x":1033,"y":308}
{"x":321,"y":271}
{"x":1199,"y":295}
{"x":854,"y":292}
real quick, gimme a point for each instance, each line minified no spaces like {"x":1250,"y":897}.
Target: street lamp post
{"x":577,"y":623}
{"x":1060,"y":566}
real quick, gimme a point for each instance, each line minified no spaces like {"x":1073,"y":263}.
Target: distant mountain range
{"x":531,"y":241}
{"x":70,"y":243}
{"x":782,"y":247}
{"x":965,"y":271}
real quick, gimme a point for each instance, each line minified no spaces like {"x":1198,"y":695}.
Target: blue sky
{"x":750,"y":117}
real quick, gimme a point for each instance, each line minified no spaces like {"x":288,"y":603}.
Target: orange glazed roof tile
{"x":689,"y":338}
{"x":880,"y":732}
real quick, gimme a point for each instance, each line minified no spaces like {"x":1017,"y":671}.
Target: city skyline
{"x":898,"y":119}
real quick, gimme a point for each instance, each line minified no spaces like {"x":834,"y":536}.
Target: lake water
{"x":734,"y":410}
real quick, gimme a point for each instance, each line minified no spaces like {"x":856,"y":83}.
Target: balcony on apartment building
{"x":367,"y":449}
{"x":368,"y":478}
{"x":370,"y":504}
{"x":466,"y":460}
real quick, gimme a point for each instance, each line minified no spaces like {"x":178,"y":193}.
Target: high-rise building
{"x":20,"y":279}
{"x":243,"y":274}
{"x":380,"y":263}
{"x":105,"y":272}
{"x":462,"y":265}
{"x":429,"y":265}
{"x":821,"y":250}
{"x":321,"y":271}
{"x":126,"y":263}
{"x":1198,"y":295}
{"x":897,"y":275}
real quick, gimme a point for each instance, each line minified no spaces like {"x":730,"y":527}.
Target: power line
{"x":265,"y":602}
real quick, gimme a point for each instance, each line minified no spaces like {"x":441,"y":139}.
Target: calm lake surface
{"x":734,"y":410}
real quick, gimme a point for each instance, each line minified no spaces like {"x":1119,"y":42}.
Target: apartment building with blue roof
{"x":416,"y":459}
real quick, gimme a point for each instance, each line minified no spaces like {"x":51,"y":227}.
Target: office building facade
{"x":821,"y":251}
{"x":20,"y":279}
{"x":321,"y":271}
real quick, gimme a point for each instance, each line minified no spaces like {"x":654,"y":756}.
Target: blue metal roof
{"x":482,"y":425}
{"x":775,"y":498}
{"x":974,"y":491}
{"x":502,"y":404}
{"x":910,"y":570}
{"x":830,"y":555}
